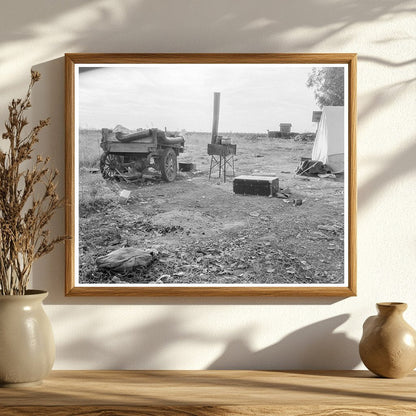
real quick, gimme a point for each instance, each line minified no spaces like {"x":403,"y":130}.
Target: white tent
{"x":329,"y":142}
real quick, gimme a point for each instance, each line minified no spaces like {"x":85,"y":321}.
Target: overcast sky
{"x":254,"y":97}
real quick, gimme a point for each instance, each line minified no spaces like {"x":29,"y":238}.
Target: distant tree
{"x":328,"y":85}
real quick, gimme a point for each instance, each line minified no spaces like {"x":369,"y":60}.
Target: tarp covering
{"x":329,"y":142}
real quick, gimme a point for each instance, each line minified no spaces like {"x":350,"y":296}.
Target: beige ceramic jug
{"x":27,"y":347}
{"x":388,"y":344}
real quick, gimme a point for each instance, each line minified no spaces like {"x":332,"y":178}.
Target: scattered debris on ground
{"x":297,"y":202}
{"x":204,"y":233}
{"x":312,"y":168}
{"x":305,"y":137}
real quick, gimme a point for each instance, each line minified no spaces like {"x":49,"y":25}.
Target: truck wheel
{"x":168,"y":165}
{"x":109,"y":165}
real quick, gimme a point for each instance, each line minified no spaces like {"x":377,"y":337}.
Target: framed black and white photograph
{"x":210,"y":174}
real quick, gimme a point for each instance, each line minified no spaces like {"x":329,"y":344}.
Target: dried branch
{"x":23,"y":217}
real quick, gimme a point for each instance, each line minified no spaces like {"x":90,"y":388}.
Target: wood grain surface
{"x":203,"y":393}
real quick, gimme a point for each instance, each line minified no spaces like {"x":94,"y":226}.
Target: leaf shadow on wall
{"x":152,"y":345}
{"x":397,"y":166}
{"x":196,"y":26}
{"x":316,"y":346}
{"x":144,"y":346}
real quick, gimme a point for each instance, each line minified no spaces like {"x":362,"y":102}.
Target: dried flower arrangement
{"x":28,"y":199}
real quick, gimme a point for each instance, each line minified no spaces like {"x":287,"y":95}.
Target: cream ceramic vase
{"x":388,"y":345}
{"x":27,"y":347}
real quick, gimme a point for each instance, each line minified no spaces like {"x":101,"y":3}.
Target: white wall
{"x":197,"y":333}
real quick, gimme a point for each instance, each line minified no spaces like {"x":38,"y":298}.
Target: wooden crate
{"x":256,"y":185}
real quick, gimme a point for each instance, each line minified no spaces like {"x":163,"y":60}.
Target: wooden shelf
{"x":203,"y":393}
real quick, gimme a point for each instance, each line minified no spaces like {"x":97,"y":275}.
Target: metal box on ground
{"x":256,"y":185}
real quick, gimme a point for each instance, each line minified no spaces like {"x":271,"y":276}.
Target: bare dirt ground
{"x":203,"y":232}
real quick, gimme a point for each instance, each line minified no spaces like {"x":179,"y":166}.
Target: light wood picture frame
{"x":207,"y":230}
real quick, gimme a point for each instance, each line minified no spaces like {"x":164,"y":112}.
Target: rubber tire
{"x":107,"y":163}
{"x":168,"y":165}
